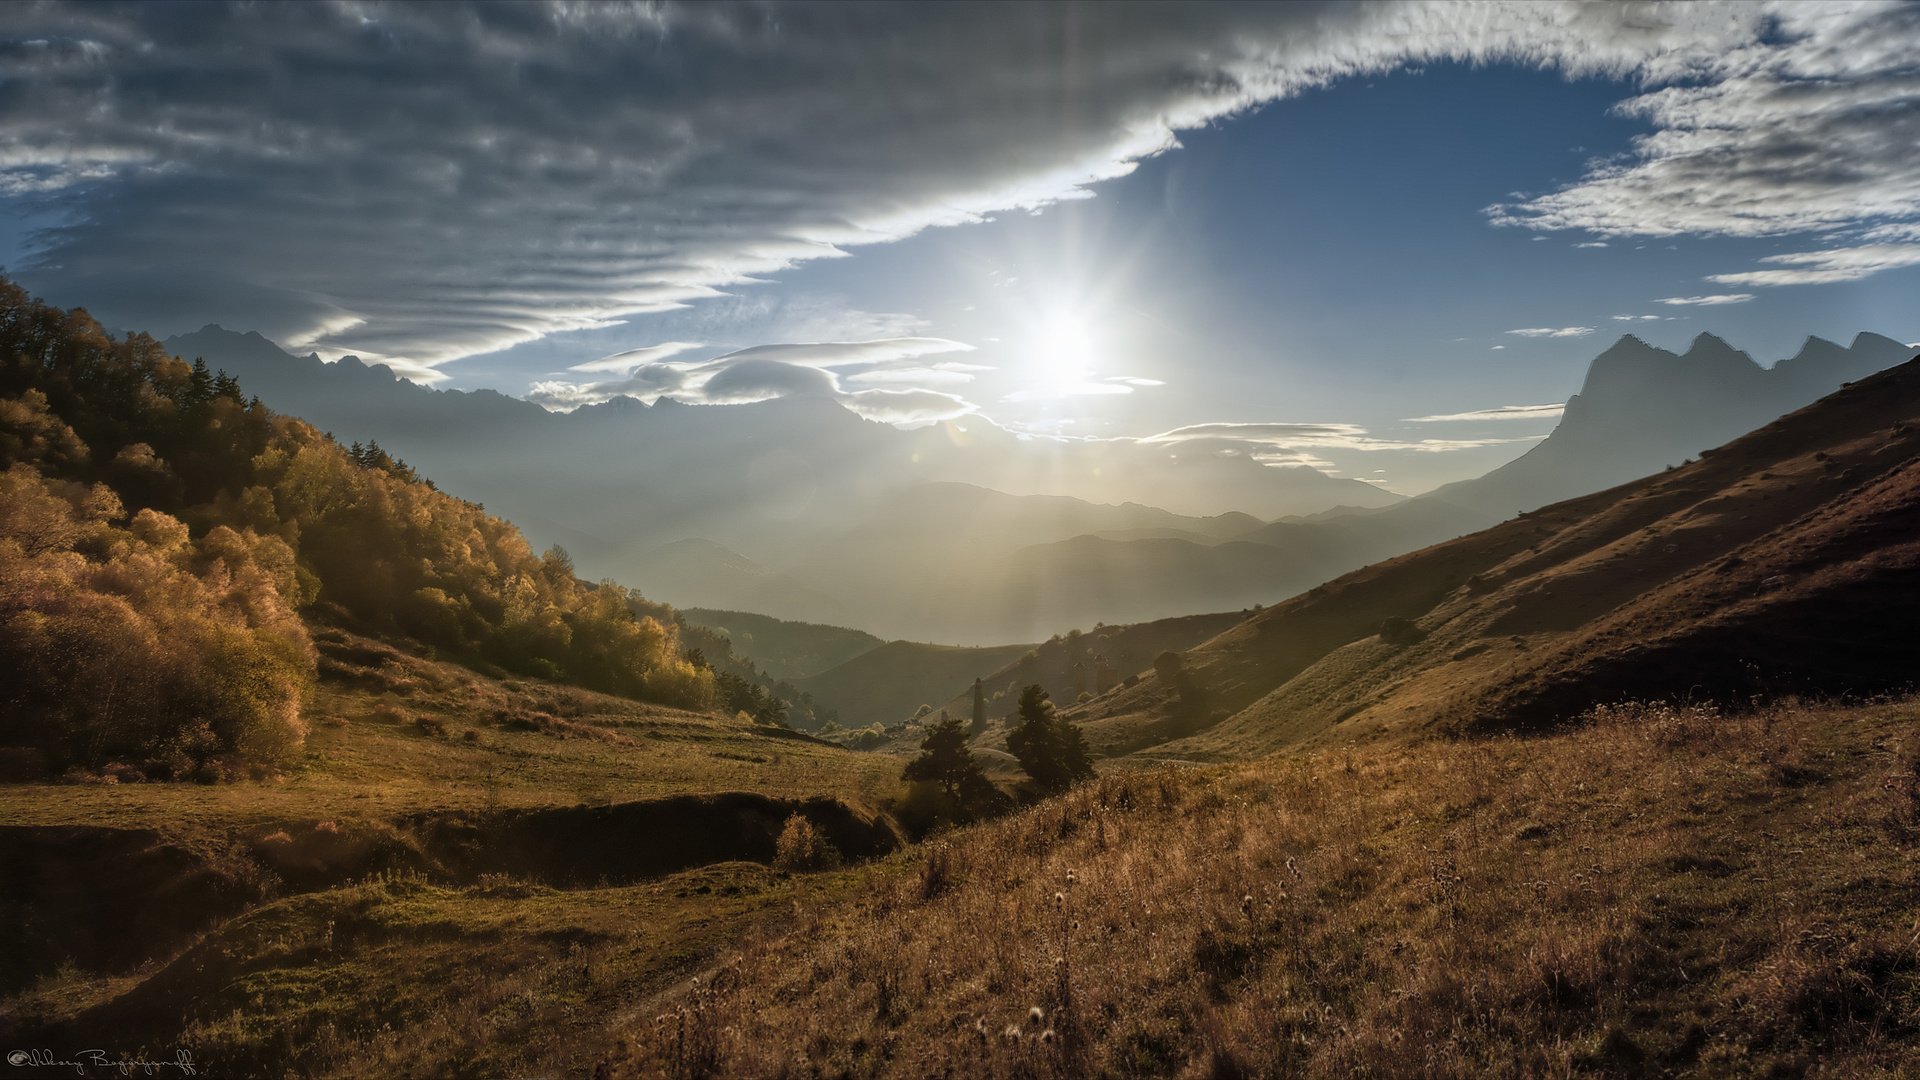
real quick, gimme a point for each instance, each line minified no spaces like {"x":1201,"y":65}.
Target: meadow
{"x":1661,"y":890}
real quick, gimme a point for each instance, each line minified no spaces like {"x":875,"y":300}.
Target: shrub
{"x":1401,"y":631}
{"x":801,"y":847}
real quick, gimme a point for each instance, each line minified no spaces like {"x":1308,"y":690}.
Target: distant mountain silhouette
{"x":1642,"y":408}
{"x":361,"y":402}
{"x":799,"y":509}
{"x":1639,"y":410}
{"x":1787,"y":561}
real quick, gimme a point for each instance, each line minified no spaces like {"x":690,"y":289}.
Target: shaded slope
{"x":782,"y":649}
{"x":1783,"y":561}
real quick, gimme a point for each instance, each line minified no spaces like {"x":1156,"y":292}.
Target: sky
{"x":1381,"y":239}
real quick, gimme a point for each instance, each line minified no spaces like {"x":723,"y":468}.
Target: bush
{"x":1400,"y":631}
{"x":802,"y":847}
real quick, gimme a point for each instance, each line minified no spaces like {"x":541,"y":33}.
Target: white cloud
{"x":1504,"y":412}
{"x":1807,"y":120}
{"x":1640,"y":318}
{"x":1903,"y":231}
{"x":1706,"y":301}
{"x":1827,"y":267}
{"x":1592,"y":244}
{"x":1564,"y":331}
{"x":906,"y":406}
{"x":757,"y":379}
{"x":760,"y":372}
{"x":633,"y":358}
{"x":417,"y":183}
{"x":833,"y":354}
{"x":913,"y":376}
{"x":1291,"y":437}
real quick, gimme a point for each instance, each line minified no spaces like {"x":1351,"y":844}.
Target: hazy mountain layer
{"x":798,"y":509}
{"x":1788,"y":560}
{"x":784,"y":650}
{"x":888,"y":684}
{"x":730,"y":470}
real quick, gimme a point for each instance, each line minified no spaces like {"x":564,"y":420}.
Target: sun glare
{"x":1064,"y":353}
{"x":1065,"y":348}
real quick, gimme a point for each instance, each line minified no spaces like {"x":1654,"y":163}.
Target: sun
{"x":1064,"y":349}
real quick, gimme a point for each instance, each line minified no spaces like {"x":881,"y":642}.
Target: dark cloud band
{"x":420,"y":182}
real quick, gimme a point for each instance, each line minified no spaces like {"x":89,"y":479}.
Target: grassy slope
{"x":400,"y":976}
{"x":408,"y":975}
{"x":1662,"y":892}
{"x":386,"y":766}
{"x":1778,"y":562}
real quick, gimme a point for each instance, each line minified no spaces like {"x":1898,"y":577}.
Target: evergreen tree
{"x":199,"y":385}
{"x":945,"y":760}
{"x":1051,"y":750}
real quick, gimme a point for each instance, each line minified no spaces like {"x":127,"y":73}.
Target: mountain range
{"x":799,"y":509}
{"x":1786,"y":561}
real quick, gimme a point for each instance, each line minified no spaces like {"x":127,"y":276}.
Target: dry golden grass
{"x":434,"y":978}
{"x":368,"y":754}
{"x":398,"y":976}
{"x":1663,"y":891}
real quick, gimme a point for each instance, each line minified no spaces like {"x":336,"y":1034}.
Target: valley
{"x":787,"y":540}
{"x":1543,"y":792}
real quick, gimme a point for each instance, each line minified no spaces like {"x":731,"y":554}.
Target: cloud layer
{"x":1296,"y":443}
{"x":1826,"y":267}
{"x":1812,"y":124}
{"x":1715,"y":300}
{"x":785,"y":370}
{"x":1548,"y":331}
{"x":1504,"y":412}
{"x":416,"y":183}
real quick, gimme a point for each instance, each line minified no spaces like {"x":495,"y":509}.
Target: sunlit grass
{"x":373,"y":759}
{"x":1663,"y":889}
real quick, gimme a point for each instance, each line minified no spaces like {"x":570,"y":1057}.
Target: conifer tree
{"x":1051,"y":750}
{"x":945,"y":760}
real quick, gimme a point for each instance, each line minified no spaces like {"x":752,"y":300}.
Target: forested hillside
{"x":164,"y":538}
